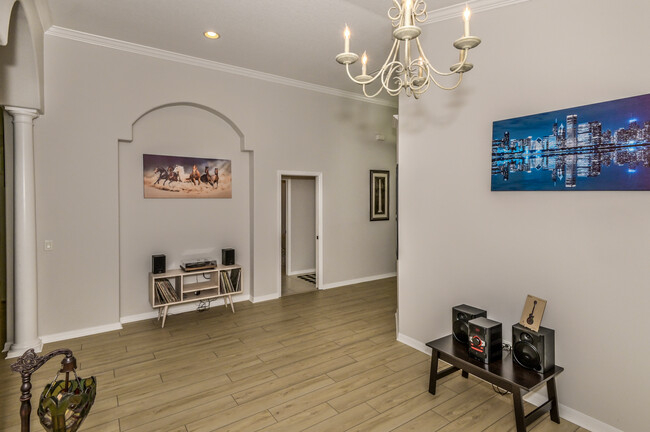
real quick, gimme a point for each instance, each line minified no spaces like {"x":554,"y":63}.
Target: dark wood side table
{"x":504,"y":373}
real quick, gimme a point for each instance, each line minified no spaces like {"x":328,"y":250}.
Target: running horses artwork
{"x":186,"y":177}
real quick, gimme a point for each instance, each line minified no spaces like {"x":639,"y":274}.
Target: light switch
{"x":49,"y":245}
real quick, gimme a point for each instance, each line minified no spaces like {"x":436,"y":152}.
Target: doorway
{"x":3,"y":237}
{"x":299,"y":233}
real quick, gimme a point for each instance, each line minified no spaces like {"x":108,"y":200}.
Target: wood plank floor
{"x":320,"y":361}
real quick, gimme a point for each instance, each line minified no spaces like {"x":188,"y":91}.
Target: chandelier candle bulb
{"x":466,"y":16}
{"x":346,"y":33}
{"x":364,"y":63}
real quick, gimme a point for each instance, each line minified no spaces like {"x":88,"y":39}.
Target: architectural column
{"x":25,"y":283}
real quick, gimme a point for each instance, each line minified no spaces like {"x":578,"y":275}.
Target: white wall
{"x":584,"y":252}
{"x":303,"y":225}
{"x":93,"y":96}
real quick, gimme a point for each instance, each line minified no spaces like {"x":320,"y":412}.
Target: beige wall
{"x":585,"y":252}
{"x":95,"y":94}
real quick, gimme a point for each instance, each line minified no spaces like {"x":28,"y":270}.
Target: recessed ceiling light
{"x":211,"y":35}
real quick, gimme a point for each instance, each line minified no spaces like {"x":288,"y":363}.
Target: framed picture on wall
{"x":598,"y":147}
{"x":186,"y":177}
{"x":379,"y":195}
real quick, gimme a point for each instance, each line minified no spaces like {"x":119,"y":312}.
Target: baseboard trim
{"x":189,"y":307}
{"x":80,"y":333}
{"x":535,"y":398}
{"x":413,"y":343}
{"x":356,"y":281}
{"x":178,"y":309}
{"x":301,"y":272}
{"x":574,"y":416}
{"x":261,"y":299}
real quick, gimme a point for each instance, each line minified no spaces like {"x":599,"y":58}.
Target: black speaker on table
{"x":533,"y":349}
{"x":158,"y":264}
{"x":228,"y":256}
{"x":460,"y":315}
{"x":484,"y":339}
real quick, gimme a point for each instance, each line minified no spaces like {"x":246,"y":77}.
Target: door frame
{"x":318,"y":198}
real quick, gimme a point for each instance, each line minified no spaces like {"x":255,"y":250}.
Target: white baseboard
{"x":127,"y":319}
{"x":265,"y":298}
{"x":7,"y":346}
{"x":301,"y":272}
{"x":81,"y":332}
{"x":535,"y":398}
{"x":413,"y":343}
{"x":356,"y":281}
{"x":574,"y":416}
{"x":178,"y":309}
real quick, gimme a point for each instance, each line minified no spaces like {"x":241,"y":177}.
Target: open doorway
{"x":299,"y":267}
{"x":3,"y":239}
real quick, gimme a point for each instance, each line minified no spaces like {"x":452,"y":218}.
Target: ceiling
{"x":295,"y":39}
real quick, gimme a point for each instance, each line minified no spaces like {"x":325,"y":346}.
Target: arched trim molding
{"x":38,"y":18}
{"x":251,"y":171}
{"x":242,"y":142}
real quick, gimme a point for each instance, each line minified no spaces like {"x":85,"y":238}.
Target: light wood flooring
{"x":294,"y":285}
{"x":320,"y":361}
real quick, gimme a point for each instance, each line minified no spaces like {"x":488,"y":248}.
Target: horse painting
{"x":186,"y":177}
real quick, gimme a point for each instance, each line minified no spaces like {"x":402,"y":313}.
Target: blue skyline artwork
{"x":603,"y":146}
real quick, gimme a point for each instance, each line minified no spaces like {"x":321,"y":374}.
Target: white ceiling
{"x":296,"y":39}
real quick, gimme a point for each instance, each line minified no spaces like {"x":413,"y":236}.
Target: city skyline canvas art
{"x":603,"y":146}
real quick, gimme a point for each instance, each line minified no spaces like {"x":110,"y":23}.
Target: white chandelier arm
{"x":460,"y":79}
{"x":420,"y":11}
{"x":424,"y":57}
{"x":372,"y":95}
{"x":395,"y":70}
{"x":392,"y":55}
{"x":397,"y":8}
{"x":354,"y":80}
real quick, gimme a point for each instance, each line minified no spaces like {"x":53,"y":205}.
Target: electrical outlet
{"x":49,"y":245}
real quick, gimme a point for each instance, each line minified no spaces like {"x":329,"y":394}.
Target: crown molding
{"x":133,"y":48}
{"x":455,"y":11}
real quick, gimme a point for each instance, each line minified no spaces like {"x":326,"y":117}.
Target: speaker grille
{"x":461,"y":330}
{"x":527,"y":355}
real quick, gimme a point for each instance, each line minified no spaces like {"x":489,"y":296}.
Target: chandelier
{"x":414,"y":74}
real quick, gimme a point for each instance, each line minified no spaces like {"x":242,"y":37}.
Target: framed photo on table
{"x":379,"y":198}
{"x":531,"y":317}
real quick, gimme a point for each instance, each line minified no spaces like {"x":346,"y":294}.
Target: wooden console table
{"x":184,"y":287}
{"x":504,"y":373}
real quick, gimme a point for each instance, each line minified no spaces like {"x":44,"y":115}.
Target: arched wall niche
{"x":180,"y":227}
{"x":22,"y":28}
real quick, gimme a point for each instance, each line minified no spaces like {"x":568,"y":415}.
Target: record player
{"x":198,"y":264}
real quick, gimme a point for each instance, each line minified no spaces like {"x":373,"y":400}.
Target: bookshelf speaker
{"x":460,"y":315}
{"x":158,"y":264}
{"x":227,"y":256}
{"x":533,"y":349}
